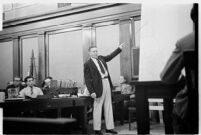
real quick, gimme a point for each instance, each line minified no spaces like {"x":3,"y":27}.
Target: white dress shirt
{"x":33,"y":94}
{"x":97,"y":65}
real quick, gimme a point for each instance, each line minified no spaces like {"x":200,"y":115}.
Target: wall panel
{"x":161,"y":26}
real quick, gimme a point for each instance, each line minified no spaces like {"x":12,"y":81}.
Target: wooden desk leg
{"x":84,"y":119}
{"x":122,"y":112}
{"x":142,"y":112}
{"x":59,"y":112}
{"x":168,"y":105}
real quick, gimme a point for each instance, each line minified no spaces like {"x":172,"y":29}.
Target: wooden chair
{"x":131,"y":112}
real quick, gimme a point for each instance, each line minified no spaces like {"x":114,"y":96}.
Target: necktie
{"x":101,"y":67}
{"x":31,"y":90}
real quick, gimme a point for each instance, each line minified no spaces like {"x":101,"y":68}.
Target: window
{"x":106,"y":44}
{"x":66,"y":56}
{"x":6,"y":66}
{"x":29,"y":45}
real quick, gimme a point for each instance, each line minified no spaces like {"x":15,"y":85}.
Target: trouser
{"x":106,"y":102}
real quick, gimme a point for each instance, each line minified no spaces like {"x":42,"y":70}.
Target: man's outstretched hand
{"x":121,"y":46}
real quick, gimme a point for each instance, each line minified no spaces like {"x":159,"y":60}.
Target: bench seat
{"x":29,"y":125}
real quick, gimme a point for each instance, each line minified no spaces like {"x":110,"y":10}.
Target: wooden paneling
{"x":16,"y":57}
{"x":42,"y":57}
{"x":135,"y":62}
{"x":84,"y":17}
{"x":88,"y":40}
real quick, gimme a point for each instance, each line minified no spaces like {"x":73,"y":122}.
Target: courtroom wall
{"x":60,"y":40}
{"x":162,"y":25}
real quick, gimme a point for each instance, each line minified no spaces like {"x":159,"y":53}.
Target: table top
{"x":43,"y":104}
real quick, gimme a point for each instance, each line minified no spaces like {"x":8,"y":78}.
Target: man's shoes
{"x":98,"y":132}
{"x":111,"y":131}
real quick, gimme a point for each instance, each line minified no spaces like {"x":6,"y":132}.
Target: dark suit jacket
{"x":175,"y":63}
{"x":92,"y":76}
{"x":172,"y":72}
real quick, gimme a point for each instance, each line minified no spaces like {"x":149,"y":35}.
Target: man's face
{"x":30,"y":82}
{"x":93,"y":52}
{"x":17,"y":81}
{"x":47,"y":82}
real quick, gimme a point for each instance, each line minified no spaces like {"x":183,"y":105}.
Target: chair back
{"x":190,"y":64}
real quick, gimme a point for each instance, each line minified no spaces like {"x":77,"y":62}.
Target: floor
{"x":156,"y":128}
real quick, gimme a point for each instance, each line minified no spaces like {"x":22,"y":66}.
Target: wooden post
{"x":88,"y":40}
{"x":42,"y":57}
{"x":16,"y":57}
{"x":125,"y":56}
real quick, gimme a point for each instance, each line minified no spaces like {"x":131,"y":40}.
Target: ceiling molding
{"x":111,"y":12}
{"x":54,"y":14}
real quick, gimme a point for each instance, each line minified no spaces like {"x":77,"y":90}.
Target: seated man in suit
{"x":30,"y":91}
{"x":15,"y":85}
{"x":123,"y":86}
{"x":46,"y":85}
{"x":183,"y":123}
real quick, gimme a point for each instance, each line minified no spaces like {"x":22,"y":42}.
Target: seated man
{"x":30,"y":91}
{"x":183,"y":120}
{"x":46,"y":85}
{"x":15,"y":85}
{"x":124,"y":87}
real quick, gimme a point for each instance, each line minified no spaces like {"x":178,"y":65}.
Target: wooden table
{"x":154,"y":89}
{"x":11,"y":108}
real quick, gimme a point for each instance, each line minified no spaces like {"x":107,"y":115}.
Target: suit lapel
{"x":103,"y":61}
{"x":93,"y":65}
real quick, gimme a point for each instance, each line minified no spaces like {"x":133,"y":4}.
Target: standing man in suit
{"x":99,"y":85}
